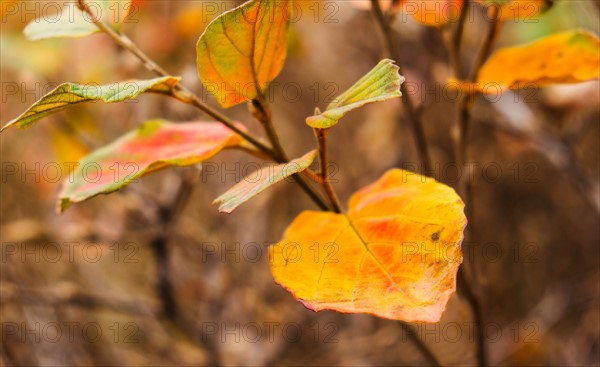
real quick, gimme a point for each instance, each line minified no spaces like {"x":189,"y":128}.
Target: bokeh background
{"x":113,"y":282}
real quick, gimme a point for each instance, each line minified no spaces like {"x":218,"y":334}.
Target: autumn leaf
{"x":72,"y":22}
{"x":395,"y":254}
{"x":260,"y":180}
{"x":568,"y":57}
{"x":380,"y":84}
{"x":154,"y":145}
{"x":243,"y":50}
{"x":68,"y":94}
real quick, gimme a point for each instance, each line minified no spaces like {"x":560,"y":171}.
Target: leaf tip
{"x":6,"y":126}
{"x":223,"y":207}
{"x":62,"y":205}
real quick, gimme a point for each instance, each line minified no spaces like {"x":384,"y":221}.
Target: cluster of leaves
{"x":378,"y":252}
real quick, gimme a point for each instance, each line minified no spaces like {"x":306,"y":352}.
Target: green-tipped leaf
{"x":70,"y":93}
{"x":380,"y":84}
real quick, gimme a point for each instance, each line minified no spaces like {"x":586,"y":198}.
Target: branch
{"x":421,"y":346}
{"x":461,"y":156}
{"x":180,"y":93}
{"x":413,"y":115}
{"x":457,"y":37}
{"x":184,"y":95}
{"x":321,"y":135}
{"x":261,"y":111}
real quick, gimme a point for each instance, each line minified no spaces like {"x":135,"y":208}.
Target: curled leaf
{"x":70,"y":93}
{"x":380,"y":84}
{"x":154,"y":145}
{"x":260,"y":180}
{"x":243,"y":50}
{"x":395,"y":254}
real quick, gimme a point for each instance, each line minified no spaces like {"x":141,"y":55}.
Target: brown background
{"x":534,"y":229}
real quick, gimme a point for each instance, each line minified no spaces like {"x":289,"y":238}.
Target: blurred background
{"x":115,"y":282}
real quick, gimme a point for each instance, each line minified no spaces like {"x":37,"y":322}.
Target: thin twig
{"x":321,"y":135}
{"x":262,"y":112}
{"x":467,"y":101}
{"x":413,"y":115}
{"x":168,"y":214}
{"x":462,"y":150}
{"x":456,"y":40}
{"x":467,"y":291}
{"x":421,"y":346}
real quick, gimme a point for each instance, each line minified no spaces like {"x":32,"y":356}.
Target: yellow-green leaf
{"x":243,"y":50}
{"x":260,"y":180}
{"x":381,"y":83}
{"x":568,"y":57}
{"x":154,"y":145}
{"x":70,"y":93}
{"x":72,"y":22}
{"x":395,"y":254}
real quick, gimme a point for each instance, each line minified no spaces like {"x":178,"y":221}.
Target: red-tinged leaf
{"x":395,"y":254}
{"x":260,"y":180}
{"x":154,"y":145}
{"x":243,"y":50}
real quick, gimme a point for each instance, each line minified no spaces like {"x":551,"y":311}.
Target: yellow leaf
{"x":395,"y":253}
{"x":568,"y":57}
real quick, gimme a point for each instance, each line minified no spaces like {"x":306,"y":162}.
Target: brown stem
{"x":321,"y":135}
{"x":413,"y":115}
{"x":466,"y":103}
{"x":465,"y":288}
{"x":462,"y":156}
{"x":421,"y":346}
{"x":262,"y":112}
{"x":456,"y":40}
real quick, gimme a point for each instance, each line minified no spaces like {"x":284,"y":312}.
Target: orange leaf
{"x":394,"y":255}
{"x":568,"y":57}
